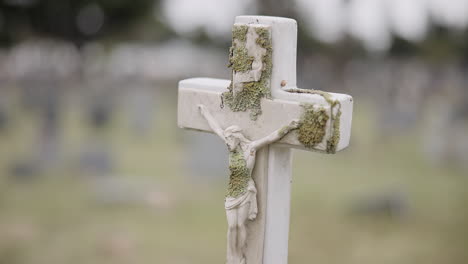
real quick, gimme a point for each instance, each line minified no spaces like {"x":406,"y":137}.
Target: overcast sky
{"x":370,"y":21}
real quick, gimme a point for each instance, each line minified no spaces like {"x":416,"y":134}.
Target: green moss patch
{"x":312,"y":125}
{"x":332,"y":143}
{"x":239,"y":60}
{"x":239,"y":174}
{"x":239,"y":32}
{"x":250,"y":97}
{"x":264,"y":40}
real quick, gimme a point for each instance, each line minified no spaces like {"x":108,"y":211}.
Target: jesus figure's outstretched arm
{"x":275,"y":136}
{"x":211,"y":121}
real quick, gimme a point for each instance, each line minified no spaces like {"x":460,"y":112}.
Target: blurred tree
{"x":284,"y":8}
{"x":441,"y":44}
{"x":74,"y":20}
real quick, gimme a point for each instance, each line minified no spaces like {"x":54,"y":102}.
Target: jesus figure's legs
{"x":243,"y":213}
{"x":232,"y":250}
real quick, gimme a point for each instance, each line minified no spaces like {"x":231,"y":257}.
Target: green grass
{"x":55,"y":219}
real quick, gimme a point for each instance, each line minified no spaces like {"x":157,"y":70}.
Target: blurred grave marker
{"x":99,"y":114}
{"x":4,"y":115}
{"x":263,"y":58}
{"x":42,"y":94}
{"x":96,"y":157}
{"x":42,"y":69}
{"x":392,"y":204}
{"x":141,"y":105}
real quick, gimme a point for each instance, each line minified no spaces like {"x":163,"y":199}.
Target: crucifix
{"x":260,"y":114}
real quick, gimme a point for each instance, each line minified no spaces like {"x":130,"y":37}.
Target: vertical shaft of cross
{"x":278,"y":206}
{"x":276,"y":171}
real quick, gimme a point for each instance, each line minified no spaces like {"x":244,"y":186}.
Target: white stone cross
{"x":261,"y":98}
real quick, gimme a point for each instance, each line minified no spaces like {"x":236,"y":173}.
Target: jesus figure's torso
{"x":241,"y":164}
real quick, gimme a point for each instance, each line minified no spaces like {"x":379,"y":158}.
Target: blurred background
{"x":93,"y":168}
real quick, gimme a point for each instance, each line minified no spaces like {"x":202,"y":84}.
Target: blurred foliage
{"x":61,"y":18}
{"x":140,"y":20}
{"x":441,"y":44}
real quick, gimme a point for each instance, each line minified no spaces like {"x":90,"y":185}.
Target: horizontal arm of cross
{"x":211,"y":121}
{"x":276,"y":113}
{"x":275,"y":136}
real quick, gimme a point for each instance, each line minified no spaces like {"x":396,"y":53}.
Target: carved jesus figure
{"x":241,"y":198}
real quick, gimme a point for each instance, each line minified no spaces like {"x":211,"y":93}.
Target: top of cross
{"x":263,"y":88}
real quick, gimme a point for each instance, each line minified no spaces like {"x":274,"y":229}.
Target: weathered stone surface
{"x":276,"y":112}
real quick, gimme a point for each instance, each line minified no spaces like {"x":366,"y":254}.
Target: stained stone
{"x":260,"y":115}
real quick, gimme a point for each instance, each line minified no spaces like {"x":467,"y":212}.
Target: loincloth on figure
{"x":250,"y":196}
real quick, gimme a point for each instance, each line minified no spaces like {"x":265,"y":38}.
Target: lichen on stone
{"x":312,"y":126}
{"x":325,"y":95}
{"x":264,"y":40}
{"x":239,"y":174}
{"x":240,"y":61}
{"x":332,"y":143}
{"x":239,"y":32}
{"x":334,"y":139}
{"x":252,"y":93}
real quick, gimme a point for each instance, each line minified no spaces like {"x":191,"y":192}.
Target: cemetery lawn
{"x":60,"y":217}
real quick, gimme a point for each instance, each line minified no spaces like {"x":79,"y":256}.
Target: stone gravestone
{"x":96,"y":156}
{"x":260,"y":114}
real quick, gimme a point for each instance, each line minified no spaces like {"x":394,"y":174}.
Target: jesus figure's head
{"x":234,"y":137}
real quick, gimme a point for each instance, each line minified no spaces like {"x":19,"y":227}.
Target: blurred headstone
{"x":401,"y":96}
{"x":100,"y":112}
{"x":24,"y":169}
{"x":445,"y":140}
{"x":3,"y":118}
{"x":42,"y":96}
{"x":141,"y":106}
{"x":42,"y":69}
{"x":392,"y":205}
{"x":96,"y":157}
